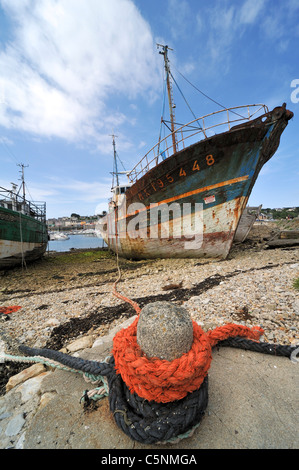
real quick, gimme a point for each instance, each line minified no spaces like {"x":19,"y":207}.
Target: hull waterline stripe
{"x":190,"y":193}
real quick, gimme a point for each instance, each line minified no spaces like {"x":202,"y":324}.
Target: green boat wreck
{"x":23,"y":229}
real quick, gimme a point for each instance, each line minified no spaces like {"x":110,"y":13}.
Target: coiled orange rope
{"x":166,"y":381}
{"x":7,"y":310}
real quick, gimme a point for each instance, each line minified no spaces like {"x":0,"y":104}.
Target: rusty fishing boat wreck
{"x":23,"y":228}
{"x":186,"y":196}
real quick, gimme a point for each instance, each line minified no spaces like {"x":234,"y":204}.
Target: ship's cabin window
{"x":121,"y":189}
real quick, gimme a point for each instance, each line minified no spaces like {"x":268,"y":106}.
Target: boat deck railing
{"x":12,"y":201}
{"x":200,"y":127}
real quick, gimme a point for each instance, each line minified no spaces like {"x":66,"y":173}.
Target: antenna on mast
{"x":164,"y":52}
{"x":22,"y":177}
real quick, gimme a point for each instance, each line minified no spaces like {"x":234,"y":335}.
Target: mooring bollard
{"x":164,"y":330}
{"x":157,"y":376}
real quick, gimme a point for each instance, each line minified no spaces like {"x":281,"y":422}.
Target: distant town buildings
{"x":72,"y":223}
{"x":77,"y":222}
{"x":263,"y":216}
{"x":280,"y":213}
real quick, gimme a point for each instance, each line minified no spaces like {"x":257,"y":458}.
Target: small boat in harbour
{"x":186,"y":196}
{"x":59,"y":236}
{"x":23,"y":229}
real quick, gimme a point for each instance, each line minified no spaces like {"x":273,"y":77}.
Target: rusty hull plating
{"x":217,"y":172}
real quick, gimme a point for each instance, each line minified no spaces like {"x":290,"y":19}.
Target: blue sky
{"x":73,"y":72}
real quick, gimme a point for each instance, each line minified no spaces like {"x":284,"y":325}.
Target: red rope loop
{"x":7,"y":310}
{"x":122,"y":297}
{"x":164,"y":381}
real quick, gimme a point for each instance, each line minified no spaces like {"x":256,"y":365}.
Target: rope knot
{"x":165,"y":381}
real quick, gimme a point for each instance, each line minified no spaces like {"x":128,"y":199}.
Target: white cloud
{"x":199,"y":23}
{"x":221,"y":32}
{"x":65,"y":195}
{"x":293,"y":5}
{"x":222,"y":24}
{"x":66,"y":59}
{"x":280,"y":24}
{"x":250,"y":11}
{"x":82,"y":191}
{"x":179,"y":17}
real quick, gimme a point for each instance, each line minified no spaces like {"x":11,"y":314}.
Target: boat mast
{"x":115,"y":158}
{"x":23,"y":178}
{"x":164,"y":52}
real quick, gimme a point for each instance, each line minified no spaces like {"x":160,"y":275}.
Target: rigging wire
{"x":197,"y":89}
{"x":162,"y":114}
{"x":28,"y":192}
{"x":9,"y":152}
{"x":120,"y":162}
{"x":114,"y":168}
{"x":204,"y":94}
{"x":185,"y":100}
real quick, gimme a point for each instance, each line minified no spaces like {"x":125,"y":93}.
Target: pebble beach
{"x":254,"y":286}
{"x":67,"y":303}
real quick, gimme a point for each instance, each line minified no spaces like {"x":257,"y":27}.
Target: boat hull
{"x":214,"y":177}
{"x":249,"y":216}
{"x":22,"y":238}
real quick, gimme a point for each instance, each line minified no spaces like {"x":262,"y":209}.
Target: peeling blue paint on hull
{"x":217,"y":173}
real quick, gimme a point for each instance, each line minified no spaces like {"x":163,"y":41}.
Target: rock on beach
{"x":164,"y":330}
{"x":24,"y":375}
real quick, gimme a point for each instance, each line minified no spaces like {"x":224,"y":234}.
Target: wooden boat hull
{"x":22,"y":238}
{"x":249,"y":216}
{"x":214,"y":176}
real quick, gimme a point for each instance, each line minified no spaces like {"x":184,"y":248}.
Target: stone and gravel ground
{"x":68,"y":296}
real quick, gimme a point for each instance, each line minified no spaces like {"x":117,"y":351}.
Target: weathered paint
{"x":215,"y":240}
{"x":246,"y":222}
{"x":13,"y":253}
{"x":218,"y":172}
{"x":22,"y":238}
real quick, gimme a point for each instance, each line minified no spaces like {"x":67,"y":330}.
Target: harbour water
{"x":76,"y":241}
